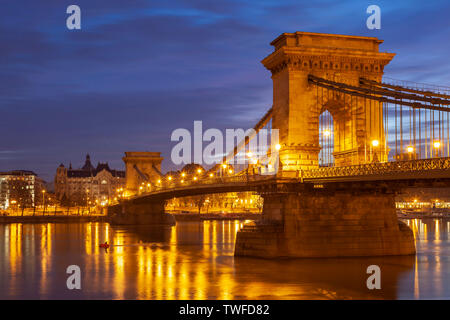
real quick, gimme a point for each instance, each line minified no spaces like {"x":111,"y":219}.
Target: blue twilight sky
{"x":139,"y":69}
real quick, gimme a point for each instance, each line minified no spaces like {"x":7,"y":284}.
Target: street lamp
{"x":43,"y":201}
{"x":437,"y":146}
{"x":277,"y":146}
{"x":375,"y":143}
{"x":410,"y":150}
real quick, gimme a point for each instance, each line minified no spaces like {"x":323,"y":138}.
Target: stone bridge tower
{"x":297,"y":104}
{"x":141,"y":167}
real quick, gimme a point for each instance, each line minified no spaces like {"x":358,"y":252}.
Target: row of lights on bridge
{"x":211,"y":175}
{"x":183,"y":176}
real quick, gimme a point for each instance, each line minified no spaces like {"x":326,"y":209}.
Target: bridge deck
{"x":427,"y":169}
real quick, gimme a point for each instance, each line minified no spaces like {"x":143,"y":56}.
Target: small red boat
{"x":104,"y":245}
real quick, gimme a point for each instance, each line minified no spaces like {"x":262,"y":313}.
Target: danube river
{"x":194,"y":260}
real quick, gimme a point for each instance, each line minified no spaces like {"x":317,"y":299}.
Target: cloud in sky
{"x":139,"y":69}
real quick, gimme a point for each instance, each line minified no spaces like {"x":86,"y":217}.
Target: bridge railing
{"x":379,"y":168}
{"x":176,"y":184}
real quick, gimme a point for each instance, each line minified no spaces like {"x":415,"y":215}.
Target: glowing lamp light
{"x":195,"y":178}
{"x":211,"y":175}
{"x":410,"y":149}
{"x":230,"y":171}
{"x":170,"y":178}
{"x":199,"y":170}
{"x":375,"y":143}
{"x":182,"y":181}
{"x":326,"y":133}
{"x":249,"y":154}
{"x":269,"y":167}
{"x":224,"y":166}
{"x":183,"y":174}
{"x":437,"y":144}
{"x":159,"y":181}
{"x":277,"y":146}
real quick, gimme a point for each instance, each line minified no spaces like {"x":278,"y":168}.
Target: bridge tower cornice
{"x":318,"y":52}
{"x":326,"y":61}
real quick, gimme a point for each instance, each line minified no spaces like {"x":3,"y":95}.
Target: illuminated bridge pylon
{"x":332,"y":107}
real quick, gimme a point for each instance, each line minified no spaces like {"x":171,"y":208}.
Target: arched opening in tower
{"x":326,"y":139}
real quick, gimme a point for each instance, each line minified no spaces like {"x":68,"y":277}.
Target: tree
{"x":200,"y":201}
{"x":20,"y":192}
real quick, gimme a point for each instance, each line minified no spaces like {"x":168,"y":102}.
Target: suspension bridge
{"x":349,"y":140}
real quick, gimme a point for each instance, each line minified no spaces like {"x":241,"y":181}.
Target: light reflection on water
{"x":194,"y":260}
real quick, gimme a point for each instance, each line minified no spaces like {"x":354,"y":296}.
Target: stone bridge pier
{"x":327,"y":223}
{"x":140,"y":213}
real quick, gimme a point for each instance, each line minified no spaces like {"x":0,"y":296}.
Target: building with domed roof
{"x":89,"y":184}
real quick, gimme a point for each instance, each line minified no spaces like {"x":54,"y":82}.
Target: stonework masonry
{"x":141,"y":167}
{"x":297,"y":104}
{"x":328,"y":225}
{"x":130,"y":213}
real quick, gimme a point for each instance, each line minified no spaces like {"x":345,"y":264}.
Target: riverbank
{"x":215,"y":216}
{"x":51,"y":219}
{"x":98,"y":218}
{"x":424,"y":214}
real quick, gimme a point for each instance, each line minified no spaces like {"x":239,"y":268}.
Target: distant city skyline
{"x":137,"y":70}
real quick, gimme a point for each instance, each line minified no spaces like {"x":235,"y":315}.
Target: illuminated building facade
{"x":20,"y":188}
{"x":88,"y":185}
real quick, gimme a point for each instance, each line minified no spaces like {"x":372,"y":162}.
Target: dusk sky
{"x":137,"y":70}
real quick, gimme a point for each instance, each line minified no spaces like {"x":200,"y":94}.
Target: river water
{"x":194,"y":260}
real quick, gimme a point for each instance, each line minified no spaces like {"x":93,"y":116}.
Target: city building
{"x":20,"y":189}
{"x":88,"y":185}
